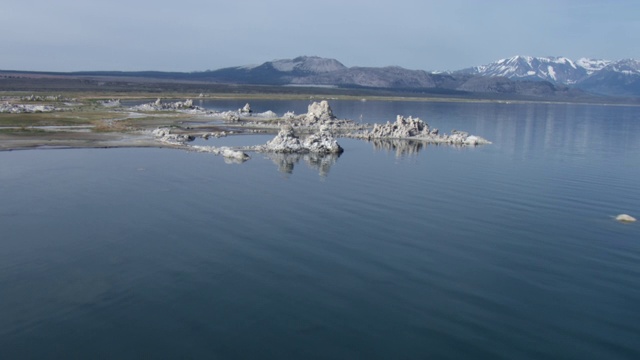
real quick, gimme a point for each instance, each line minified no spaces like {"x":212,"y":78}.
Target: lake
{"x":392,"y":250}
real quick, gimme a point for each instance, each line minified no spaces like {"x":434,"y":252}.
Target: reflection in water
{"x":320,"y":162}
{"x":518,"y":129}
{"x":232,"y":160}
{"x":401,"y":147}
{"x":558,"y":129}
{"x":406,"y":147}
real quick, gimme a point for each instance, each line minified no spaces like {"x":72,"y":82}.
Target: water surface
{"x":392,"y":250}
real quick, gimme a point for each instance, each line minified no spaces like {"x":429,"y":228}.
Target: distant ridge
{"x":603,"y":77}
{"x":316,"y":71}
{"x":547,"y":77}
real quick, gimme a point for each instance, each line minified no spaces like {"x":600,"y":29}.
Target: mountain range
{"x":516,"y":77}
{"x":605,"y":77}
{"x":524,"y":75}
{"x":559,"y":70}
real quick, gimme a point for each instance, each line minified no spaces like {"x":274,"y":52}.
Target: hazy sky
{"x":191,"y":35}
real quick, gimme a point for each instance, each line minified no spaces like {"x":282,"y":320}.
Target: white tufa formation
{"x":319,"y":112}
{"x":19,"y":108}
{"x":416,"y":129}
{"x":286,"y":141}
{"x":164,"y":135}
{"x":158,"y":105}
{"x":625,"y":218}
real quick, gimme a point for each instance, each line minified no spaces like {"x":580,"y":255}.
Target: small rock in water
{"x":233,"y":154}
{"x":625,"y":218}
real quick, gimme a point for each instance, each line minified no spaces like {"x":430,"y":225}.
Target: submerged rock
{"x":234,"y":156}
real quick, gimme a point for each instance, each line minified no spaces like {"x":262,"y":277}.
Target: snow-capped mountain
{"x":620,"y":78}
{"x":592,"y":65}
{"x":523,"y":75}
{"x":626,"y":66}
{"x":557,"y":70}
{"x":519,"y":77}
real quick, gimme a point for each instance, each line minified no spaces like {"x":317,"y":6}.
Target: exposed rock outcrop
{"x":286,"y":141}
{"x":416,"y":129}
{"x":319,"y":112}
{"x":46,"y":98}
{"x":239,"y":115}
{"x":322,"y":142}
{"x":625,"y":218}
{"x":164,"y":135}
{"x":110,"y":103}
{"x":21,"y":109}
{"x":403,"y":128}
{"x":158,"y":105}
{"x":314,"y":132}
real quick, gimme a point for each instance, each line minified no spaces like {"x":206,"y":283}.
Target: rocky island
{"x":415,"y":129}
{"x":320,"y":129}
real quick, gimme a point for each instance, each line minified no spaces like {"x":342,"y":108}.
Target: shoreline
{"x":57,"y":122}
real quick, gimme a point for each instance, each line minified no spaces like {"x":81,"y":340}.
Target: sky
{"x":192,"y":35}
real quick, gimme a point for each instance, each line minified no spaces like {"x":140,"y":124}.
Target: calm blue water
{"x":392,"y":250}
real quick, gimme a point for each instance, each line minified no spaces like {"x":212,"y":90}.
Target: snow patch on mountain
{"x":556,"y":69}
{"x":626,"y":66}
{"x":592,"y":65}
{"x":552,"y":73}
